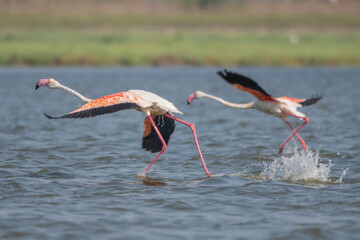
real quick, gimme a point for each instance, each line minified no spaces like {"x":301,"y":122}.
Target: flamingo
{"x":159,"y":122}
{"x":281,"y":107}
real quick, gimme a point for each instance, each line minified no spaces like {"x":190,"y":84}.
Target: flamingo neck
{"x":226,"y":103}
{"x":73,"y":92}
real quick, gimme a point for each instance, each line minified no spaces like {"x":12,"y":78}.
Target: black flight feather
{"x":166,"y":127}
{"x":311,"y":101}
{"x":97,"y":111}
{"x":235,"y":78}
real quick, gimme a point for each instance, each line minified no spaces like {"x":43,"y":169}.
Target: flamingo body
{"x":147,"y":102}
{"x":281,"y":107}
{"x":159,"y":105}
{"x":159,"y":122}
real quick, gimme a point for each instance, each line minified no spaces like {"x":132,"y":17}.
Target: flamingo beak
{"x":190,"y":98}
{"x":42,"y":82}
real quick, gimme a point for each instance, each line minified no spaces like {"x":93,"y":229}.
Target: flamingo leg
{"x":162,"y":140}
{"x":297,"y":135}
{"x":192,"y":127}
{"x":295,"y":132}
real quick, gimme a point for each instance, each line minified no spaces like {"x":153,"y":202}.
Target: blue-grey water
{"x":82,"y":178}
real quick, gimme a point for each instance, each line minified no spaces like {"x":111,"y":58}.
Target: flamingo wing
{"x":303,"y":102}
{"x":246,"y":84}
{"x":108,"y":104}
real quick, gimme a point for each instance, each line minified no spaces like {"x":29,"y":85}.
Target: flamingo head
{"x":50,"y":82}
{"x":195,"y":95}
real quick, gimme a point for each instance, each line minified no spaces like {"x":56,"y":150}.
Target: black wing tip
{"x":310,"y":101}
{"x":237,"y":78}
{"x":223,"y":74}
{"x":318,"y":97}
{"x":226,"y":75}
{"x":50,"y":117}
{"x":233,"y":77}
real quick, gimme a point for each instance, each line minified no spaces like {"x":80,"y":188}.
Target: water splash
{"x":298,"y":167}
{"x":342,"y":176}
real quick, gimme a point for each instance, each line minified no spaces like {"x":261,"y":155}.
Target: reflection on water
{"x":153,"y":183}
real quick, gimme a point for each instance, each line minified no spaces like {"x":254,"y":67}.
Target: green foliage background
{"x":86,"y":32}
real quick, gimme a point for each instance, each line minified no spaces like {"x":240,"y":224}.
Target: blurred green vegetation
{"x":208,"y":19}
{"x":200,"y":33}
{"x":177,"y":48}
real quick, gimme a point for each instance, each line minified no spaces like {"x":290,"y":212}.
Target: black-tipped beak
{"x":42,"y":82}
{"x":190,"y":98}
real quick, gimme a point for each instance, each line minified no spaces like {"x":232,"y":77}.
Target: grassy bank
{"x":157,"y":47}
{"x":179,"y":32}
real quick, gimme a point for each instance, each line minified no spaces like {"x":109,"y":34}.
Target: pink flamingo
{"x":281,"y":107}
{"x":159,"y":122}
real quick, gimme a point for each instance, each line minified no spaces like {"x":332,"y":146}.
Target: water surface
{"x":82,"y":178}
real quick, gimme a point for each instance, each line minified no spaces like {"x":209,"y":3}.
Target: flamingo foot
{"x":304,"y":146}
{"x":281,"y":149}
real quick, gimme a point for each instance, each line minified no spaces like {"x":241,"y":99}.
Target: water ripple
{"x":83,"y":179}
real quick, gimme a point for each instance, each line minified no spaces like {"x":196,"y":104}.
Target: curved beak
{"x":190,"y":98}
{"x":42,"y":82}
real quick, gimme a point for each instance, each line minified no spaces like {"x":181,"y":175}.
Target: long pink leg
{"x":162,"y":140}
{"x":297,"y":135}
{"x":295,"y":132}
{"x":192,"y":127}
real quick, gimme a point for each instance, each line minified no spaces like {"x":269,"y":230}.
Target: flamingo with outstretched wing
{"x":159,"y":122}
{"x":281,"y":107}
